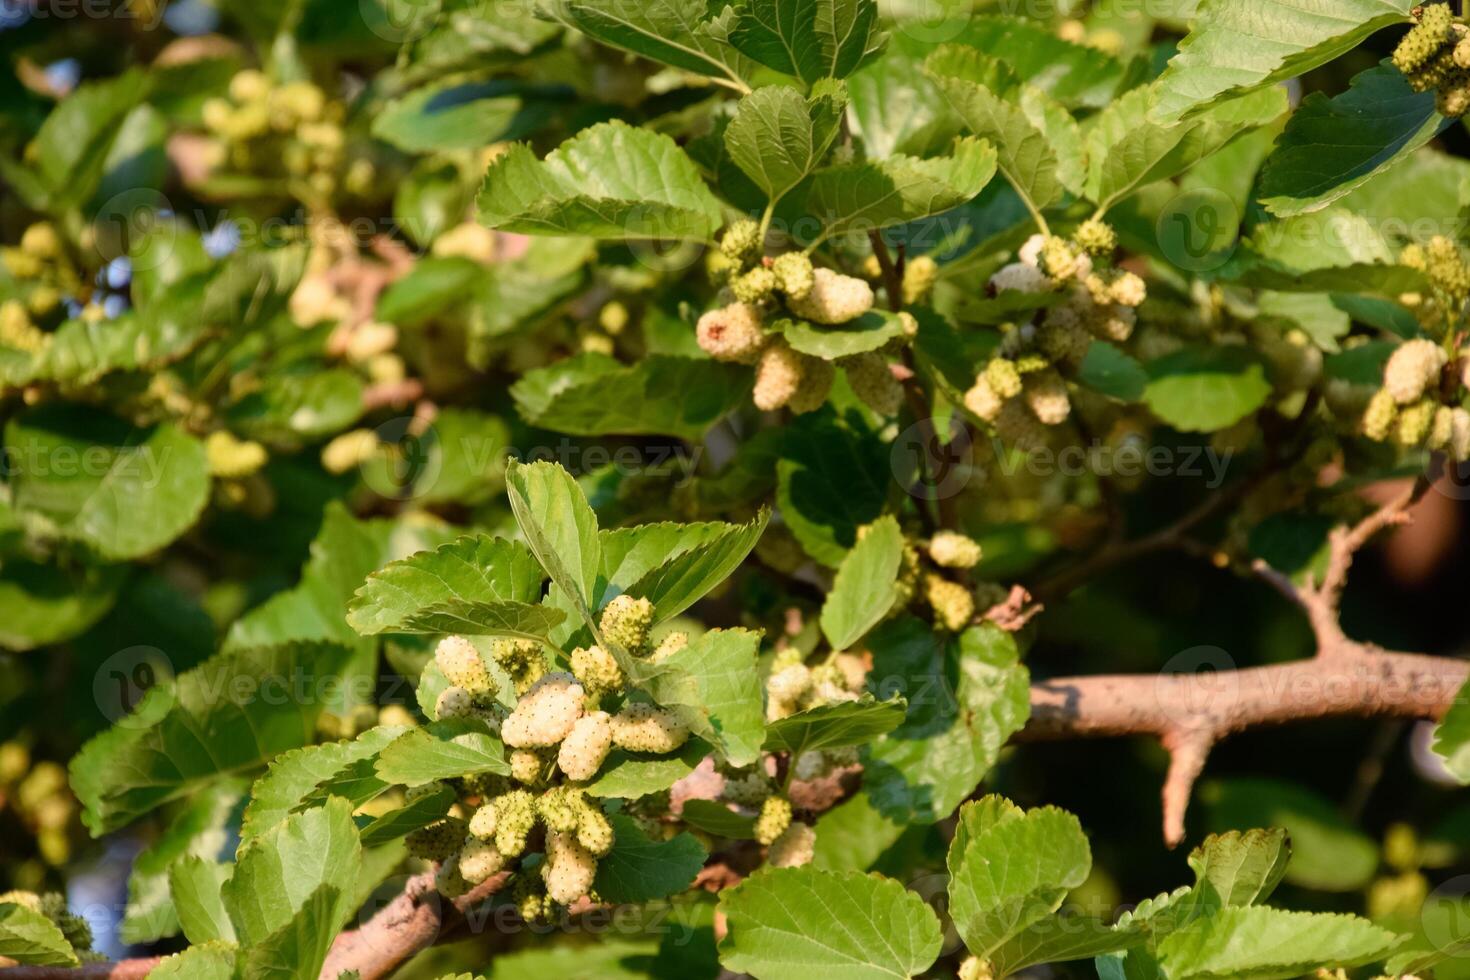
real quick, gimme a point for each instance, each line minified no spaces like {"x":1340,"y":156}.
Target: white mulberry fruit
{"x":545,"y":714}
{"x":461,"y":664}
{"x":1046,"y":395}
{"x":1411,"y":369}
{"x":626,"y":621}
{"x":731,"y":333}
{"x":952,"y":603}
{"x":834,"y":298}
{"x":569,"y":870}
{"x":478,"y":860}
{"x":795,"y":847}
{"x":1020,"y":277}
{"x":642,"y":727}
{"x":586,"y":746}
{"x":873,"y":382}
{"x":982,"y":400}
{"x":950,"y":549}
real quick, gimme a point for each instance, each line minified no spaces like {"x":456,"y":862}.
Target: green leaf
{"x":593,"y":394}
{"x":1328,"y":853}
{"x":560,"y":527}
{"x":293,"y":777}
{"x":1452,"y":736}
{"x":821,"y":451}
{"x":832,"y":726}
{"x":297,"y":949}
{"x":475,"y":585}
{"x":1256,"y":943}
{"x":28,"y":937}
{"x":684,"y":578}
{"x":1072,"y":74}
{"x":1011,"y":870}
{"x":852,"y":835}
{"x":868,"y":332}
{"x":292,"y":408}
{"x":1234,"y":48}
{"x":630,"y":775}
{"x":638,"y":869}
{"x":778,"y":137}
{"x":205,"y":723}
{"x":1061,"y":938}
{"x":675,"y":32}
{"x":866,"y":585}
{"x":963,"y":705}
{"x":793,"y":923}
{"x":655,"y":192}
{"x":896,"y":108}
{"x":211,"y":961}
{"x":1330,"y":146}
{"x":717,"y":818}
{"x":420,"y":812}
{"x":441,"y":750}
{"x":1109,"y":370}
{"x":810,"y":39}
{"x":41,"y":604}
{"x":196,"y":886}
{"x":87,"y":476}
{"x":465,"y":115}
{"x":279,"y":872}
{"x":863,"y":197}
{"x":1205,"y":389}
{"x":714,"y":683}
{"x":198,"y":830}
{"x":1240,"y":867}
{"x":72,"y":147}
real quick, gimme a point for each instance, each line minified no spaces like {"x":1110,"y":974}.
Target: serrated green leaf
{"x":638,"y":869}
{"x":1452,"y":736}
{"x":683,"y":579}
{"x":852,"y":835}
{"x":1205,"y":389}
{"x":419,"y":812}
{"x":28,"y":937}
{"x":676,"y":32}
{"x":836,"y":725}
{"x":1062,"y":938}
{"x":863,"y":197}
{"x":1240,"y":867}
{"x":71,"y":150}
{"x":860,"y":335}
{"x":1072,"y":74}
{"x":293,"y":777}
{"x":1257,"y":943}
{"x":41,"y":604}
{"x":896,"y":108}
{"x":465,"y":115}
{"x":778,"y":136}
{"x":630,"y":775}
{"x":654,"y":193}
{"x":441,"y":750}
{"x":963,"y":705}
{"x":475,"y":585}
{"x":196,"y":886}
{"x":593,"y":394}
{"x":560,"y":527}
{"x":87,"y":476}
{"x":717,"y":818}
{"x":810,"y":39}
{"x":297,"y":949}
{"x":1234,"y":48}
{"x":789,"y":923}
{"x":1330,"y":146}
{"x":205,"y":723}
{"x":715,"y":686}
{"x":866,"y":585}
{"x":211,"y":961}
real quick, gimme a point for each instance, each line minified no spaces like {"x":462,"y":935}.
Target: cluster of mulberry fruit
{"x":1022,"y":388}
{"x":1449,"y":279}
{"x":52,"y":905}
{"x":558,"y":729}
{"x":1409,"y":408}
{"x":759,"y":292}
{"x":1435,"y":54}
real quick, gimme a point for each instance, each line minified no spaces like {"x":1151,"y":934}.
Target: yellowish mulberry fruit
{"x":1412,"y":368}
{"x":794,"y":275}
{"x":469,"y":240}
{"x":1128,"y":288}
{"x":919,"y":275}
{"x":777,"y":377}
{"x":448,"y":881}
{"x":545,"y":714}
{"x":523,"y":660}
{"x":774,"y":818}
{"x":974,"y":968}
{"x":586,"y":746}
{"x":40,"y":240}
{"x":1414,"y":423}
{"x":569,"y":870}
{"x":982,"y":399}
{"x":1424,"y":39}
{"x":1459,"y":444}
{"x":950,"y":549}
{"x":1440,"y":428}
{"x":349,"y":450}
{"x":1379,"y":417}
{"x":478,"y":860}
{"x":515,"y":818}
{"x":642,"y":727}
{"x":1046,"y":395}
{"x":1096,"y":237}
{"x":1004,"y":379}
{"x":438,"y":840}
{"x":482,"y":822}
{"x":1020,"y":277}
{"x":795,"y":847}
{"x":741,"y":242}
{"x":530,"y":767}
{"x":460,"y":662}
{"x":597,"y":672}
{"x":952,"y":603}
{"x":754,"y":286}
{"x":232,"y":458}
{"x":873,"y":382}
{"x":368,"y":340}
{"x":731,"y":333}
{"x":594,"y":832}
{"x":671,"y":644}
{"x":834,"y":298}
{"x":817,"y":376}
{"x":529,"y":896}
{"x":626,"y":621}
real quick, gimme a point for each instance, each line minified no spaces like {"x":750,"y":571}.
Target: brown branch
{"x":125,"y":970}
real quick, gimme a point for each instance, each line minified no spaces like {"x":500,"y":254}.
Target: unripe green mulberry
{"x":873,"y":382}
{"x":530,"y":767}
{"x":515,"y":818}
{"x":626,"y":621}
{"x":794,"y":274}
{"x":950,"y":549}
{"x":1096,"y":237}
{"x":1379,"y":417}
{"x":460,"y":662}
{"x":545,"y":713}
{"x":775,"y":817}
{"x":523,"y":660}
{"x":974,"y":968}
{"x":478,"y":860}
{"x":585,"y":748}
{"x":817,"y":376}
{"x":597,"y":671}
{"x":919,"y":275}
{"x":1440,"y":429}
{"x":1059,"y":260}
{"x":1424,"y":39}
{"x":794,"y":848}
{"x":719,"y":267}
{"x":438,"y":840}
{"x":742,"y":241}
{"x":754,"y":286}
{"x":1413,"y":367}
{"x":1003,"y":377}
{"x":834,"y":298}
{"x":747,"y":788}
{"x":594,"y":832}
{"x":569,"y":870}
{"x":530,"y":899}
{"x":561,"y":808}
{"x":642,"y":727}
{"x":448,"y":880}
{"x":1459,"y":444}
{"x":1446,"y":267}
{"x":229,"y":457}
{"x":1414,"y":423}
{"x":731,"y":333}
{"x":952,"y":603}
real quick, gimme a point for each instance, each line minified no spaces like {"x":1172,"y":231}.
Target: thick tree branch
{"x":125,"y":970}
